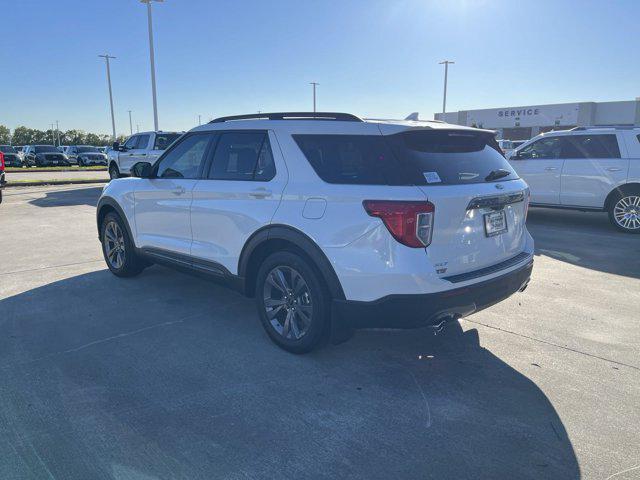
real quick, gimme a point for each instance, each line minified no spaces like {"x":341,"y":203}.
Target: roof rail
{"x":594,"y":127}
{"x":339,"y":117}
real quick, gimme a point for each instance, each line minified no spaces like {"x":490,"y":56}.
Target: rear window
{"x":451,"y":157}
{"x":415,"y":157}
{"x":163,"y":140}
{"x":591,"y":146}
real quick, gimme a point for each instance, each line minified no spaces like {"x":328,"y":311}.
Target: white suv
{"x":143,"y":146}
{"x":586,"y":169}
{"x":330,"y":222}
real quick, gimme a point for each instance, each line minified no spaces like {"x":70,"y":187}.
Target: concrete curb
{"x":54,"y":182}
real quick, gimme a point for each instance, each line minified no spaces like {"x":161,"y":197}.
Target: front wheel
{"x":292,"y":302}
{"x":118,"y":249}
{"x":624,"y":212}
{"x":113,"y":172}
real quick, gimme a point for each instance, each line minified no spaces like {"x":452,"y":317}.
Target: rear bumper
{"x":413,"y":311}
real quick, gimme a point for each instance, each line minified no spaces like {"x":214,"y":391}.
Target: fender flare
{"x":110,"y":202}
{"x":301,"y":241}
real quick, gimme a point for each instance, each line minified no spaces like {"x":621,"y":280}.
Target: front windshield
{"x":88,"y":150}
{"x":7,"y":149}
{"x":46,"y":149}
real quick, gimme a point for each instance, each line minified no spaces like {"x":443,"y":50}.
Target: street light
{"x":58,"y":131}
{"x":446,"y":70}
{"x":315,"y":84}
{"x":130,"y":124}
{"x":53,"y":134}
{"x":153,"y":63}
{"x":113,"y":120}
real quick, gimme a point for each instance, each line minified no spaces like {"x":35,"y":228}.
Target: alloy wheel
{"x":288,"y":304}
{"x":114,"y":245}
{"x":626,"y":212}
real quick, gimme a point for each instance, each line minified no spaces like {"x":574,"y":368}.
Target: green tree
{"x":5,"y":135}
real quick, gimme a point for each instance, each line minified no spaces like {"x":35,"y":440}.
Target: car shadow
{"x":70,"y":197}
{"x":169,"y":376}
{"x":586,"y":239}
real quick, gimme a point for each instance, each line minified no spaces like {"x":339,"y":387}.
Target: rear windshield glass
{"x":7,"y":149}
{"x":46,"y":149}
{"x":415,"y":157}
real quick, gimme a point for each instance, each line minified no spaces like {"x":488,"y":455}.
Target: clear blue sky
{"x":372,"y":57}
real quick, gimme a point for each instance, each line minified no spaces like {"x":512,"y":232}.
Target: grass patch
{"x":55,"y":169}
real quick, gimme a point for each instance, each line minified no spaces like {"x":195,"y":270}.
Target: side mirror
{"x":116,"y":146}
{"x":141,"y":170}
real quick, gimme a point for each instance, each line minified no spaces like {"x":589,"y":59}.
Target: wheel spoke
{"x":272,"y":302}
{"x":273,"y":312}
{"x":286,"y":328}
{"x":294,"y":326}
{"x":281,"y":280}
{"x":272,"y":280}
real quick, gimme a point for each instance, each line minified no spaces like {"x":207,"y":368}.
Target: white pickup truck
{"x":141,"y":147}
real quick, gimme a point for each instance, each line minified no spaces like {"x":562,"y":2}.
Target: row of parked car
{"x":50,"y":155}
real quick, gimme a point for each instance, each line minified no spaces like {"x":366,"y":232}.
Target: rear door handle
{"x":260,"y":193}
{"x":178,"y":191}
{"x":550,"y":169}
{"x":613,"y":169}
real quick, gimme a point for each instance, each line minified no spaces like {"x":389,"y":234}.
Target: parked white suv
{"x":143,"y":146}
{"x":586,"y":169}
{"x":330,"y":222}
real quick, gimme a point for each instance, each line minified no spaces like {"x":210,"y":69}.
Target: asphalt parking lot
{"x":168,"y":376}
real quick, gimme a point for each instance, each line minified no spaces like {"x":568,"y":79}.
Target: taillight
{"x":1,"y":161}
{"x":410,"y":223}
{"x":527,"y":199}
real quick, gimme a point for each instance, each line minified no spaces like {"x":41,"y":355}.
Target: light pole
{"x":53,"y":134}
{"x":315,"y":84}
{"x":199,"y":120}
{"x":446,"y":71}
{"x":153,"y":63}
{"x":130,"y":124}
{"x":113,"y":120}
{"x":58,"y":131}
{"x":137,"y":128}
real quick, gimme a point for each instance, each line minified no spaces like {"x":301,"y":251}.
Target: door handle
{"x":550,"y":169}
{"x":613,"y":169}
{"x":178,"y":191}
{"x":260,"y":193}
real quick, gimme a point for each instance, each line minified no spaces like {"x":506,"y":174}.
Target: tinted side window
{"x":186,"y":158}
{"x":243,"y":156}
{"x":593,"y":146}
{"x":143,"y":142}
{"x":544,"y":148}
{"x":351,"y":159}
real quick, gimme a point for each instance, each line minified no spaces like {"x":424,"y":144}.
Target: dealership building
{"x":522,"y":123}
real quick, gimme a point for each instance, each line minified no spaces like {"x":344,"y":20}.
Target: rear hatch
{"x":480,"y":203}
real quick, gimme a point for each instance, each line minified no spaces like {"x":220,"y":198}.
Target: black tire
{"x":113,"y":171}
{"x":80,"y":164}
{"x":314,"y":301}
{"x":616,"y":206}
{"x":130,"y":263}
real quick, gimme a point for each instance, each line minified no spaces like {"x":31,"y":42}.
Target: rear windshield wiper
{"x":497,"y":174}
